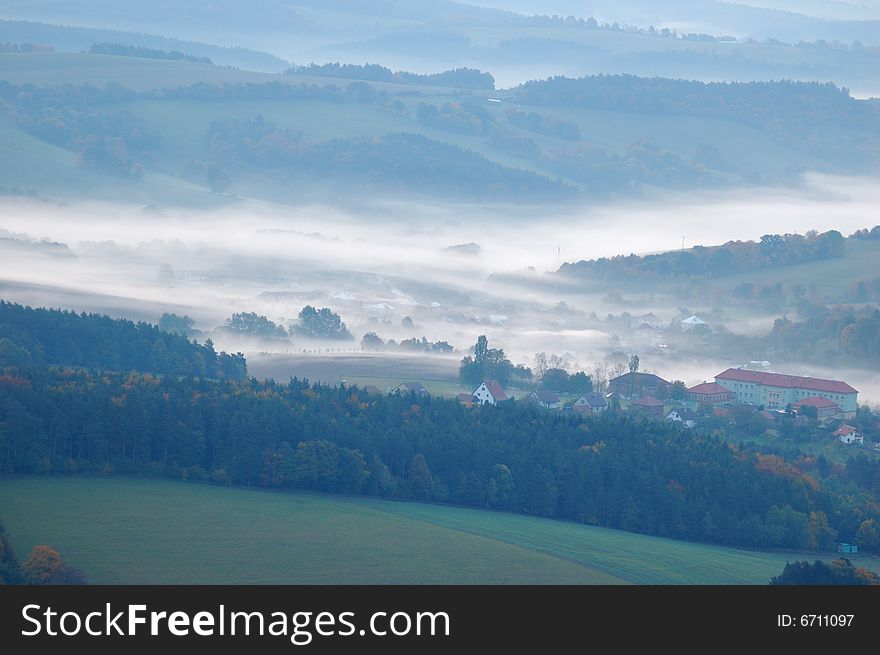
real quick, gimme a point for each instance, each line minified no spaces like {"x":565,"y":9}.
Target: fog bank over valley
{"x":448,"y":273}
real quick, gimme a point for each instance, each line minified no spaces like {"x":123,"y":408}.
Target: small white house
{"x":489,"y":391}
{"x":590,"y":403}
{"x":849,"y":435}
{"x":683,"y":416}
{"x":545,"y":399}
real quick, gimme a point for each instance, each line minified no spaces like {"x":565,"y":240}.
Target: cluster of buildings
{"x":772,"y":394}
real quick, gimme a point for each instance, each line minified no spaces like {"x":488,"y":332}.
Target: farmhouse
{"x":710,"y":393}
{"x":682,"y":415}
{"x":411,"y":387}
{"x":545,"y":399}
{"x":489,"y":391}
{"x":631,"y":385}
{"x":849,"y":435}
{"x":650,"y":319}
{"x":648,"y":405}
{"x":777,"y":391}
{"x":466,"y":399}
{"x":590,"y":403}
{"x":825,"y":409}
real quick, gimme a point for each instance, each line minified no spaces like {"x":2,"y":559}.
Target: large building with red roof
{"x":710,"y":393}
{"x":778,"y":391}
{"x":824,"y":408}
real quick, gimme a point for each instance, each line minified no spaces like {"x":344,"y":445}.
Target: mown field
{"x":122,"y":530}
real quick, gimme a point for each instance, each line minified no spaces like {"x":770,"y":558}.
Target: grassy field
{"x":385,"y":371}
{"x":122,"y":530}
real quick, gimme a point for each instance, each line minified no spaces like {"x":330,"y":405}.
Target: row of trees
{"x":374,"y":343}
{"x":128,"y":50}
{"x":313,"y":323}
{"x":462,"y":78}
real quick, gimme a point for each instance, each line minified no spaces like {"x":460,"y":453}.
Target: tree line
{"x":462,"y":78}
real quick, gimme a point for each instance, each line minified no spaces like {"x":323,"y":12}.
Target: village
{"x":764,"y":400}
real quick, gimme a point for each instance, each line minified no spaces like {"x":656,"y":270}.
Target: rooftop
{"x":642,"y":378}
{"x":816,"y":401}
{"x":495,"y":389}
{"x":786,"y":381}
{"x":594,"y":399}
{"x":648,"y":401}
{"x":546,"y":396}
{"x":709,"y":389}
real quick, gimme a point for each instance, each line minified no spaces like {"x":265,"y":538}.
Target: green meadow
{"x":136,"y":531}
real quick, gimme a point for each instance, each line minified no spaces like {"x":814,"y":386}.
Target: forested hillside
{"x":612,"y":470}
{"x":38,"y":337}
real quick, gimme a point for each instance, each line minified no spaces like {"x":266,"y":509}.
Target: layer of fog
{"x":387,"y":261}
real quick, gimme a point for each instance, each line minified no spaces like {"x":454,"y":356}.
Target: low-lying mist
{"x":387,"y":261}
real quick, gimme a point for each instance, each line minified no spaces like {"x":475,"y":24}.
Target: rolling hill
{"x":130,"y":531}
{"x":280,"y":136}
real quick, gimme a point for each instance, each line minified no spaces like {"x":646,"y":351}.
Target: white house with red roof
{"x":489,"y":391}
{"x":849,"y":435}
{"x":778,"y":391}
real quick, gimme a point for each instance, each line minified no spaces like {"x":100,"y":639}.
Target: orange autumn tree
{"x":45,"y":566}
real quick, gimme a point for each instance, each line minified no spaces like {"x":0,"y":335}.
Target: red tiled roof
{"x":816,"y":401}
{"x":465,"y":397}
{"x":786,"y":381}
{"x":709,"y":389}
{"x":648,"y":401}
{"x":767,"y":416}
{"x":495,"y":389}
{"x":844,"y":430}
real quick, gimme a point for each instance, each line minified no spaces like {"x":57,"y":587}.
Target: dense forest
{"x":714,"y":261}
{"x":36,"y":337}
{"x":839,"y":572}
{"x":613,"y":470}
{"x":842,"y":334}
